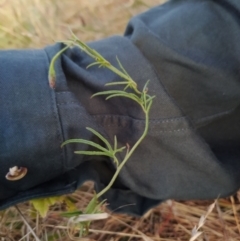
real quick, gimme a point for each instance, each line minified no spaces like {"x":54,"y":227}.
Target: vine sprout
{"x":129,"y":90}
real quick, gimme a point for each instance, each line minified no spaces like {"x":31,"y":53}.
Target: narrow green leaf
{"x":144,"y":93}
{"x":127,"y":86}
{"x":120,"y":149}
{"x":117,"y":83}
{"x":115,"y":142}
{"x":108,"y":92}
{"x":124,"y":95}
{"x":145,"y":86}
{"x":92,"y":205}
{"x":71,"y":213}
{"x":118,"y":93}
{"x":149,"y":106}
{"x":82,"y":45}
{"x":82,"y":141}
{"x":144,"y":100}
{"x":121,"y":67}
{"x":149,"y":98}
{"x":90,"y":65}
{"x":93,"y":153}
{"x":99,"y":205}
{"x":101,"y":138}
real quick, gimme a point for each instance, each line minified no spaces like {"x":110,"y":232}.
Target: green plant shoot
{"x":129,"y":90}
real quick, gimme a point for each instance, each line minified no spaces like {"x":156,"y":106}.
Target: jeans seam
{"x":58,"y":121}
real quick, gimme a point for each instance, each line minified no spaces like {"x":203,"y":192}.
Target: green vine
{"x":130,"y":90}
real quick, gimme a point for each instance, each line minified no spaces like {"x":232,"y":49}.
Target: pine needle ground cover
{"x":37,"y":23}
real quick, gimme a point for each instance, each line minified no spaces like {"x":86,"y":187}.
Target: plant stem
{"x":110,"y":67}
{"x":128,"y":154}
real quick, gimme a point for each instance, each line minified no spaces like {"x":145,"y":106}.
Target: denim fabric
{"x":190,"y":52}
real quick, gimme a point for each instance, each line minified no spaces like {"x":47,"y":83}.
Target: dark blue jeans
{"x":190,"y":51}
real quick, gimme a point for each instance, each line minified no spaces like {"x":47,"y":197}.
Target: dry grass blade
{"x":195,"y":236}
{"x":144,"y":237}
{"x":195,"y":231}
{"x":89,"y":217}
{"x":27,"y":224}
{"x":235,"y":214}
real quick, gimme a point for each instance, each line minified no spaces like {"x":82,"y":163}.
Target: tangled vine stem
{"x":131,"y":91}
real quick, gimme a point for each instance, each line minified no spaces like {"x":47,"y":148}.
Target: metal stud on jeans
{"x":16,"y":173}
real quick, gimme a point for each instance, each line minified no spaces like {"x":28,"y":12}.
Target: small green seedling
{"x":129,"y":90}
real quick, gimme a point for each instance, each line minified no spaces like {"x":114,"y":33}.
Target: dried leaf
{"x":194,"y":230}
{"x":201,"y":221}
{"x":197,"y":234}
{"x":146,"y":238}
{"x":89,"y":217}
{"x":210,"y":208}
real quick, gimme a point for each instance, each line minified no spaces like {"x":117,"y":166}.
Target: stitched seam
{"x":170,"y":131}
{"x":58,"y":121}
{"x":167,"y":120}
